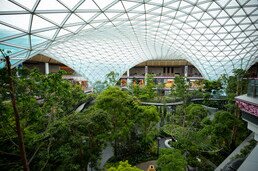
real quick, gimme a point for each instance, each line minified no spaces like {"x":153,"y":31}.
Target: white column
{"x":128,"y":80}
{"x":46,"y":68}
{"x":186,"y":71}
{"x":146,"y":72}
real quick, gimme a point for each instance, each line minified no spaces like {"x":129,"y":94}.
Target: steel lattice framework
{"x":95,"y":37}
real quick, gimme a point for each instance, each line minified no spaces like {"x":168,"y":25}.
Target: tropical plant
{"x":195,"y":113}
{"x":171,"y":159}
{"x":133,"y":125}
{"x":76,"y":140}
{"x":124,"y":166}
{"x":41,"y":100}
{"x":180,"y":87}
{"x":146,"y":92}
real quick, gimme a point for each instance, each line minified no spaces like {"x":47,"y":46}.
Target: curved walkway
{"x":176,"y":103}
{"x":162,"y":104}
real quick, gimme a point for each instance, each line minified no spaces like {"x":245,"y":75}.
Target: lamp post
{"x":158,"y":138}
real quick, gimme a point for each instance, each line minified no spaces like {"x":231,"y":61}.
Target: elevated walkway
{"x":235,"y":152}
{"x":251,"y":162}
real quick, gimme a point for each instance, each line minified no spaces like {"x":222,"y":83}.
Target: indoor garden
{"x":47,"y":123}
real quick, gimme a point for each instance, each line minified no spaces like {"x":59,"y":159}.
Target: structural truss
{"x":95,"y":37}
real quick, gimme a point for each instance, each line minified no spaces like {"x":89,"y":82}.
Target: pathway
{"x":106,"y":154}
{"x":177,"y":103}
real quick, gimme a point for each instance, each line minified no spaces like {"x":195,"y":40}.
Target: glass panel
{"x":50,"y":5}
{"x":55,"y":17}
{"x":88,"y":4}
{"x":39,"y":23}
{"x":9,"y":6}
{"x":21,"y":41}
{"x":186,"y":29}
{"x":102,"y":4}
{"x":36,"y":40}
{"x":86,"y":16}
{"x":27,"y":3}
{"x":63,"y":32}
{"x":73,"y":19}
{"x":20,"y":21}
{"x":7,"y":31}
{"x":73,"y":28}
{"x":70,"y":4}
{"x":47,"y":34}
{"x":10,"y":48}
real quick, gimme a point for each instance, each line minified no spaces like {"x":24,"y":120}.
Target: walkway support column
{"x":146,"y":73}
{"x":128,"y":80}
{"x":46,"y":68}
{"x":186,"y":71}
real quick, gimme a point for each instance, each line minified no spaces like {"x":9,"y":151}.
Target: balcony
{"x":248,"y":104}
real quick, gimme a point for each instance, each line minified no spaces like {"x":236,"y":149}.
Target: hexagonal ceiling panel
{"x":95,"y":37}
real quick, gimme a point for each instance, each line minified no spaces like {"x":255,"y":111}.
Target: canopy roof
{"x":95,"y":37}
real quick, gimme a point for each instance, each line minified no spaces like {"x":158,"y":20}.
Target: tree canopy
{"x":46,"y":104}
{"x":124,"y":166}
{"x":133,"y":126}
{"x":171,"y":159}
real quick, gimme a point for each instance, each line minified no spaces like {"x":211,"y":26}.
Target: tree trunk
{"x":233,"y":138}
{"x":17,"y":117}
{"x":234,"y":131}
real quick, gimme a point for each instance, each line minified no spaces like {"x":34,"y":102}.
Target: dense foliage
{"x":144,"y":92}
{"x":180,"y":88}
{"x":124,"y":166}
{"x":171,"y":159}
{"x":58,"y":138}
{"x":133,"y":126}
{"x":46,"y":105}
{"x":110,"y":80}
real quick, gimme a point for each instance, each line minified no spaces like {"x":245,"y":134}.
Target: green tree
{"x":195,"y":113}
{"x":180,"y":89}
{"x":146,"y":92}
{"x":118,"y":104}
{"x":12,"y":92}
{"x":148,"y":89}
{"x":41,"y":100}
{"x":220,"y":129}
{"x":236,"y":85}
{"x":98,"y":87}
{"x":76,"y":140}
{"x":147,"y":118}
{"x":135,"y":88}
{"x":124,"y":166}
{"x":180,"y":115}
{"x":160,"y":91}
{"x":110,"y":80}
{"x":133,"y":126}
{"x":171,"y":159}
{"x":212,"y":85}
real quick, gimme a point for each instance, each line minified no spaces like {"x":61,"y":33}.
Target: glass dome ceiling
{"x":95,"y":37}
